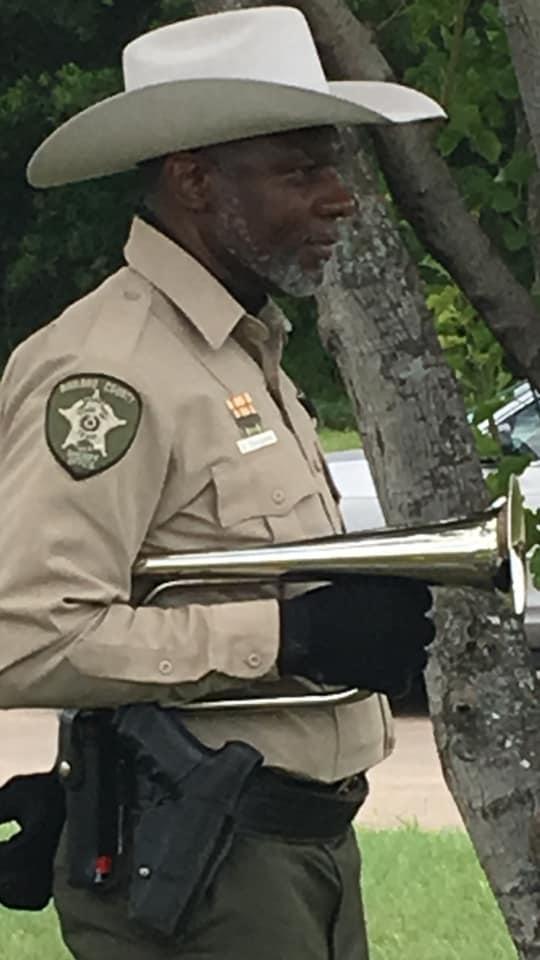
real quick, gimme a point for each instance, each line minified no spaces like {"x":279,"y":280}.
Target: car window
{"x":524,"y":429}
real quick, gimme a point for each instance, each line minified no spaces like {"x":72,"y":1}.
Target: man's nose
{"x":335,"y":200}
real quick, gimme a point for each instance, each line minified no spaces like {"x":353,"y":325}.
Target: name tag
{"x":256,"y":441}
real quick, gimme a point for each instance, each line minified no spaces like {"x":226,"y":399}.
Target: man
{"x":152,"y":417}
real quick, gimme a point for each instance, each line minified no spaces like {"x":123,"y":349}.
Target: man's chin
{"x":298,"y":282}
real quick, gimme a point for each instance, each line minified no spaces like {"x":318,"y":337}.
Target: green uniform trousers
{"x":272,"y":899}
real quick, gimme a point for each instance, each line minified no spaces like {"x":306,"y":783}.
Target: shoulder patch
{"x":91,"y":422}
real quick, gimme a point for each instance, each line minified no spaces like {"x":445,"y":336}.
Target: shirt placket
{"x":263,"y":340}
{"x":264,"y":343}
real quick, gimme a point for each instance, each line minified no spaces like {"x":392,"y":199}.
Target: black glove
{"x":370,"y":632}
{"x":36,"y":803}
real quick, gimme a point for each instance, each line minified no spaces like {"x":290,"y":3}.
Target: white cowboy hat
{"x":211,"y":80}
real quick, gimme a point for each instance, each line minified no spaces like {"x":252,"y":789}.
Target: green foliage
{"x":313,"y":369}
{"x":511,"y":465}
{"x":457,"y":51}
{"x":58,"y":58}
{"x":471,"y":349}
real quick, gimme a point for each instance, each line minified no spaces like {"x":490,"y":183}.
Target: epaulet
{"x":119,"y":316}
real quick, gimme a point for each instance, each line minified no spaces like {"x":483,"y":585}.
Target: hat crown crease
{"x":228,"y":46}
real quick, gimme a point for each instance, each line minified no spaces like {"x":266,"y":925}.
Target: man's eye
{"x":300,"y":173}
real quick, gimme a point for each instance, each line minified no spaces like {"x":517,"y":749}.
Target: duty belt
{"x":298,"y":810}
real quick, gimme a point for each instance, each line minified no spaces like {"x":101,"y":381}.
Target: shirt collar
{"x":195,"y":291}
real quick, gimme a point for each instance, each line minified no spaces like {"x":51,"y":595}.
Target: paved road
{"x":407,"y":787}
{"x":28,"y":739}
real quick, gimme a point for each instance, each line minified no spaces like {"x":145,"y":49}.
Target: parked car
{"x":519,"y":424}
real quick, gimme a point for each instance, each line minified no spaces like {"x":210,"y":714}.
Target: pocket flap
{"x":267,"y":485}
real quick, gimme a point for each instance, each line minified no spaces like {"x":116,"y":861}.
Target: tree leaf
{"x":487,"y":144}
{"x":515,"y":235}
{"x":504,"y":199}
{"x":520,"y":167}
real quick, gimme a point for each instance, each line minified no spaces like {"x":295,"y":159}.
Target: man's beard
{"x":281,"y":270}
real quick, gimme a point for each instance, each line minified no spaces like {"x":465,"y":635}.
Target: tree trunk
{"x":410,"y":412}
{"x":483,"y":694}
{"x":522,"y":21}
{"x":486,"y":715}
{"x":482,"y":691}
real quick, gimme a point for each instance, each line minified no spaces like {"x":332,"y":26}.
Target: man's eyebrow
{"x":326,"y":149}
{"x":297,"y":155}
{"x":319,"y":155}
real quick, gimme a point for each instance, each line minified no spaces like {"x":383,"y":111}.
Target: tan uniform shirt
{"x":168,"y":330}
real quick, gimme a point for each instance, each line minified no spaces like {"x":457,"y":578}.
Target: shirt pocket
{"x":268,"y":498}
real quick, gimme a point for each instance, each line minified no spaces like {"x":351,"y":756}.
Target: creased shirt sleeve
{"x":68,"y":634}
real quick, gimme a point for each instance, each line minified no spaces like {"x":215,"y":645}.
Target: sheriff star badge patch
{"x":91,"y":422}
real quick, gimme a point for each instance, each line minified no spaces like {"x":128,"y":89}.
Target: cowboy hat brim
{"x":118,"y":133}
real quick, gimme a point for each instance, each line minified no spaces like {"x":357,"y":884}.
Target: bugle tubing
{"x":486,"y":550}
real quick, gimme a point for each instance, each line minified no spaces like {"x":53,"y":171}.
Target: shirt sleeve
{"x":68,"y":634}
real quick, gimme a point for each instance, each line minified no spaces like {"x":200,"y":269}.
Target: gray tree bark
{"x":522,"y":21}
{"x":533,"y":216}
{"x":423,"y":186}
{"x":483,"y":694}
{"x":482,"y":691}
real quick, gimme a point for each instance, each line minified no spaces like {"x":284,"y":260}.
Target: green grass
{"x":332,"y":440}
{"x":426,"y":899}
{"x":27,"y":936}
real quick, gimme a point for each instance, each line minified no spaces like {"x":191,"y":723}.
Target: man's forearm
{"x":127,"y":655}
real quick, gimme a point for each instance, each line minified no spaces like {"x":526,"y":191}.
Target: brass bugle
{"x":486,"y":550}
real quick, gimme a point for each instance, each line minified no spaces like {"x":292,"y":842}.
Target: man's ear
{"x":186,"y":177}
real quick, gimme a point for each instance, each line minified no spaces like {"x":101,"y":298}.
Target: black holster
{"x":92,"y":772}
{"x":181,"y":797}
{"x":187,"y":795}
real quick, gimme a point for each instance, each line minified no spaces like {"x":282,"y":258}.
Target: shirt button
{"x":132,"y":295}
{"x":165,"y":667}
{"x":278,"y":496}
{"x":317,"y":465}
{"x":254,"y":660}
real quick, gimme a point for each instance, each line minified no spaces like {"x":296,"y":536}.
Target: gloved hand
{"x":370,"y":632}
{"x":37,"y":803}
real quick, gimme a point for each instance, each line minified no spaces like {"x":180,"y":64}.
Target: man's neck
{"x":241,"y":283}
